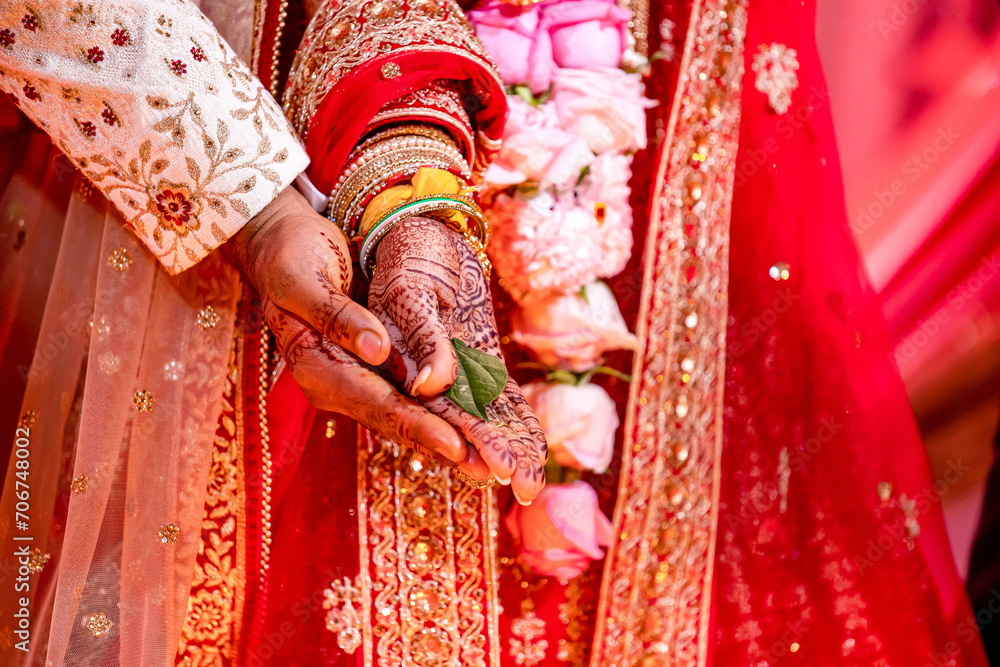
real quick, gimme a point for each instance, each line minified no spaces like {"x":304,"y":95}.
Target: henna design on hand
{"x":428,"y":287}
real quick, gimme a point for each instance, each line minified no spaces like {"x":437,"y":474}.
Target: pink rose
{"x":561,"y":531}
{"x":579,"y":422}
{"x":572,"y":332}
{"x":605,"y":189}
{"x":535,"y":149}
{"x":515,"y":38}
{"x":604,"y":106}
{"x":544,"y":244}
{"x":587,"y":33}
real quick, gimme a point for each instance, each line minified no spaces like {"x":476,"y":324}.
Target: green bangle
{"x":421,"y":206}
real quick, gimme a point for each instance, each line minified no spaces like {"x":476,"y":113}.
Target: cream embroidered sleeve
{"x":156,"y":109}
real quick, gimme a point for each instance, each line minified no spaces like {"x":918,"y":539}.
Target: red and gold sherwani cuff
{"x":156,"y":110}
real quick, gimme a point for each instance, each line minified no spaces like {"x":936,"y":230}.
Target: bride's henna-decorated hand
{"x":428,"y":287}
{"x":300,"y":264}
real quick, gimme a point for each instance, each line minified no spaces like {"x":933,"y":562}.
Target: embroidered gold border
{"x":427,"y":556}
{"x":656,"y":592}
{"x":639,"y":25}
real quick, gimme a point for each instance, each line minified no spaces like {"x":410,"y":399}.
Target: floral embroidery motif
{"x":30,"y":21}
{"x":160,"y":141}
{"x":343,"y":600}
{"x":120,"y":37}
{"x":109,"y":115}
{"x":775,"y":66}
{"x":211,"y":625}
{"x":86,"y":128}
{"x":527,"y":646}
{"x":174,"y":208}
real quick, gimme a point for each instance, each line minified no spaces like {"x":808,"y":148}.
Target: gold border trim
{"x":655,"y":600}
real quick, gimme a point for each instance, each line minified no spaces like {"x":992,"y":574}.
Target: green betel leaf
{"x":481,"y":378}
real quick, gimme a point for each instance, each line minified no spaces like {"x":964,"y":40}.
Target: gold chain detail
{"x":276,"y":52}
{"x":427,"y":561}
{"x":265,"y":463}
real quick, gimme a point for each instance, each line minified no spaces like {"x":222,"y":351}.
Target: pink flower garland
{"x":560,"y":222}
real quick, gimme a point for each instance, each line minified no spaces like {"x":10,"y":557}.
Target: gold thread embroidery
{"x":168,"y":533}
{"x":211,"y":625}
{"x":342,"y":36}
{"x":343,"y":619}
{"x":429,"y":540}
{"x":656,"y":591}
{"x":99,"y":624}
{"x":528,"y":645}
{"x":775,"y":66}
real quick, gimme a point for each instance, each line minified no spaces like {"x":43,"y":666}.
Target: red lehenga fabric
{"x":831,"y":538}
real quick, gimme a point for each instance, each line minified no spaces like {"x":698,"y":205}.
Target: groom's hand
{"x":428,"y":287}
{"x":300,"y":265}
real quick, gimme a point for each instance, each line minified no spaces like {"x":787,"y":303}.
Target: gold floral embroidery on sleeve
{"x":188,"y":146}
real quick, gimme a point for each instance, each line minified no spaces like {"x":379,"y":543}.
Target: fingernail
{"x":369,"y":345}
{"x":504,"y":480}
{"x":425,"y":373}
{"x":518,"y":499}
{"x":446,"y":444}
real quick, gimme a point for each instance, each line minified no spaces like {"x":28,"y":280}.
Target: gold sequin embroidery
{"x":99,"y":624}
{"x":168,"y":533}
{"x":79,"y":484}
{"x":775,"y":66}
{"x":120,"y":259}
{"x":37,"y":560}
{"x":143,"y":401}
